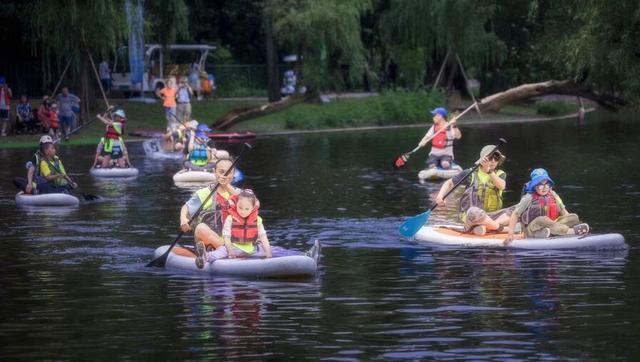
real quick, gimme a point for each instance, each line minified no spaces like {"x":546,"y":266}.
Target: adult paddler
{"x":442,"y":134}
{"x":210,"y":221}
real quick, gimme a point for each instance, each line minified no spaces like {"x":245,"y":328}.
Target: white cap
{"x":46,"y":139}
{"x":193,"y":124}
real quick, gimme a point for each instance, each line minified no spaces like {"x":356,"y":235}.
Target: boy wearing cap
{"x":542,"y":211}
{"x":441,"y":154}
{"x":200,"y":156}
{"x":111,"y":146}
{"x":481,"y":203}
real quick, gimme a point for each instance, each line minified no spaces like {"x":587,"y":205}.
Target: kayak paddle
{"x":162,"y":259}
{"x":403,"y":158}
{"x":410,"y":227}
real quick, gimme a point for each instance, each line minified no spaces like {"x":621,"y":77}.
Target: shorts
{"x":436,"y":161}
{"x":66,"y":121}
{"x":116,"y":151}
{"x":4,"y":114}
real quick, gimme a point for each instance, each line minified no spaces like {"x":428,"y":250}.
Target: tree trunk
{"x":567,"y":87}
{"x":243,"y":114}
{"x":273,"y":75}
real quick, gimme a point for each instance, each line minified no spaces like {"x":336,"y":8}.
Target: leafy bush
{"x":555,"y":108}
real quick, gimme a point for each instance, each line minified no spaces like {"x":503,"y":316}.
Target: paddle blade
{"x":410,"y":227}
{"x":91,"y":197}
{"x":402,"y":160}
{"x":159,"y":261}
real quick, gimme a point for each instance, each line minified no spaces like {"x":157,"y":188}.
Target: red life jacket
{"x":112,"y":133}
{"x":244,"y":230}
{"x":440,"y":140}
{"x":541,"y":206}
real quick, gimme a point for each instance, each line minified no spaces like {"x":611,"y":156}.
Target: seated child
{"x":542,"y":211}
{"x":52,"y":170}
{"x":242,"y":229}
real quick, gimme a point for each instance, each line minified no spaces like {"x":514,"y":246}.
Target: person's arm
{"x":30,"y":172}
{"x":190,"y":90}
{"x":498,"y":181}
{"x":184,"y":218}
{"x":425,"y":139}
{"x":45,"y":171}
{"x":264,"y":240}
{"x":191,"y":141}
{"x":512,"y":224}
{"x":104,"y":120}
{"x":446,"y":186}
{"x":226,"y":235}
{"x":455,"y":131}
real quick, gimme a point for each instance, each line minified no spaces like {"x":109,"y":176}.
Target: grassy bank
{"x":386,"y":109}
{"x":139,"y":115}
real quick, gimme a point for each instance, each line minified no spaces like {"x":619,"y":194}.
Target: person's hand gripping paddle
{"x":162,"y":259}
{"x":410,"y":227}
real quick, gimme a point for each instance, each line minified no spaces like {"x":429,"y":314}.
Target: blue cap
{"x":537,"y":176}
{"x":441,"y":111}
{"x":119,"y":113}
{"x":3,"y":80}
{"x":203,"y":128}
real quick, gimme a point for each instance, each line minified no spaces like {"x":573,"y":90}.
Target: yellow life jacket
{"x":481,"y":193}
{"x":57,"y":168}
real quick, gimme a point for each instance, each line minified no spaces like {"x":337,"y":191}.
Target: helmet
{"x":119,"y":113}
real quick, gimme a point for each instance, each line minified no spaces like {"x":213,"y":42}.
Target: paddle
{"x":162,"y":259}
{"x":410,"y":227}
{"x":403,"y":158}
{"x":87,"y":197}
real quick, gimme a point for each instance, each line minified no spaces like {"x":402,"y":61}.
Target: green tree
{"x":326,"y":37}
{"x":420,"y":32}
{"x":594,"y":42}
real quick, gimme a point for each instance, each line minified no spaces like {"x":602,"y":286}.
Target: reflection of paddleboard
{"x":437,"y":173}
{"x":284,"y":263}
{"x":153,"y":149}
{"x":114,"y":172}
{"x":452,"y":235}
{"x":58,"y":199}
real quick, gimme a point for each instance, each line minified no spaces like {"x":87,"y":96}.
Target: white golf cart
{"x":156,"y":71}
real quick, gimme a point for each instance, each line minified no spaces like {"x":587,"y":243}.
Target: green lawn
{"x":139,"y":115}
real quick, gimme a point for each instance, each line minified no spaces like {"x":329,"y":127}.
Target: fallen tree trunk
{"x":238,"y":115}
{"x":565,"y":87}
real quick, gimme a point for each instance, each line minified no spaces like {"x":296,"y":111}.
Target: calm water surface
{"x":73,"y":284}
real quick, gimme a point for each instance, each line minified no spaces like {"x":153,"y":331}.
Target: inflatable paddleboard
{"x":437,"y":173}
{"x":186,"y":176}
{"x":58,"y":199}
{"x":153,"y":149}
{"x":114,"y":172}
{"x":284,"y":263}
{"x":452,"y":235}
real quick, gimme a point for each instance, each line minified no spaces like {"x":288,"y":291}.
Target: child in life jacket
{"x":441,"y":154}
{"x":54,"y":124}
{"x":542,"y":211}
{"x":242,"y":230}
{"x":480,"y":206}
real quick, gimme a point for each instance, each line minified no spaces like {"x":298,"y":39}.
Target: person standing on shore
{"x":168,"y":95}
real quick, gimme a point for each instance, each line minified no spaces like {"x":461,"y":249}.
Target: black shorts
{"x":4,"y":114}
{"x":436,"y":161}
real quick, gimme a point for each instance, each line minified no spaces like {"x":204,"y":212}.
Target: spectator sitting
{"x":25,"y":121}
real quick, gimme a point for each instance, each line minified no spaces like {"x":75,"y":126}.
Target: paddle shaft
{"x":162,"y":258}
